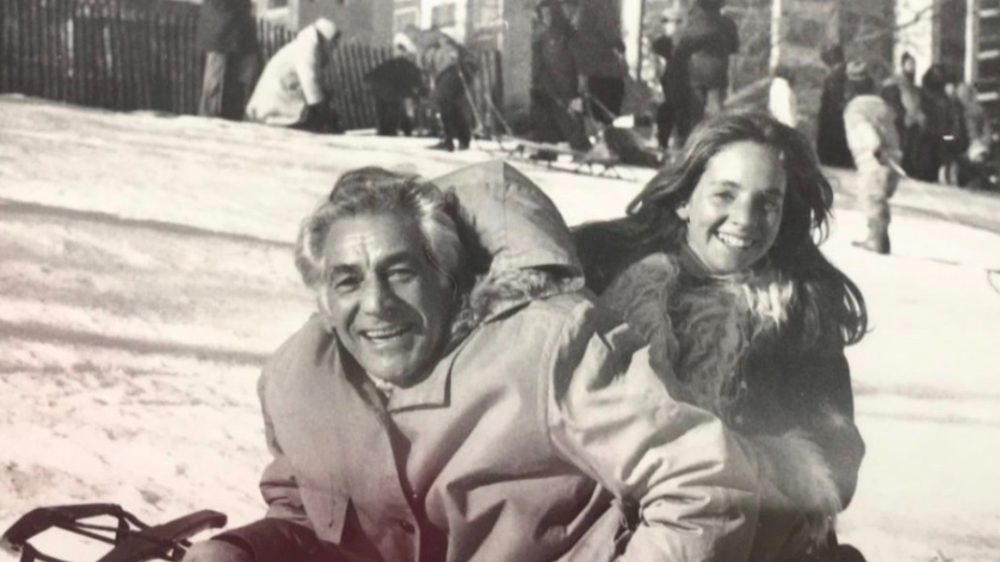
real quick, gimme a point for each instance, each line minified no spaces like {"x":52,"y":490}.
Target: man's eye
{"x":726,"y":196}
{"x":345,"y":285}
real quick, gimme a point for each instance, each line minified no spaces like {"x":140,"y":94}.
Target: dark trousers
{"x":391,"y":118}
{"x":704,"y":102}
{"x":607,"y":94}
{"x":226,"y":85}
{"x":554,"y":122}
{"x":449,"y":94}
{"x":666,"y":117}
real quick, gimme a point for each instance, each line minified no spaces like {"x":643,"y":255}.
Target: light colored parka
{"x":520,"y":442}
{"x":291,"y":81}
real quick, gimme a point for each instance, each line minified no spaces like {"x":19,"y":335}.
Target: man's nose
{"x":376,"y":296}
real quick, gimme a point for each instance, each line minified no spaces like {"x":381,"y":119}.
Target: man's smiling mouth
{"x":386,"y":334}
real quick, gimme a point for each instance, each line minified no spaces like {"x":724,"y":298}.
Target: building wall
{"x":365,"y":21}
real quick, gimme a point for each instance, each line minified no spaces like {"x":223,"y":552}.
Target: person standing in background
{"x":831,"y":138}
{"x":874,"y":142}
{"x":704,"y":45}
{"x":599,"y":52}
{"x":451,"y":69}
{"x":672,"y":81}
{"x":227,"y":35}
{"x":903,"y":94}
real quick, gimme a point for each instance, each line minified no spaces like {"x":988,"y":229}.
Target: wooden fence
{"x":141,"y":54}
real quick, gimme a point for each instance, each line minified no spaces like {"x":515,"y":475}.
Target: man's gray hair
{"x":374,"y":191}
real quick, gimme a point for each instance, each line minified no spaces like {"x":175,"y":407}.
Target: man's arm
{"x":285,"y":533}
{"x":692,"y":482}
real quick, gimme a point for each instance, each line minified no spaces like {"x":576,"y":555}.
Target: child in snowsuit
{"x":874,"y":144}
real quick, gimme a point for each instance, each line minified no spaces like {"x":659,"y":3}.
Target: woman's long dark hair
{"x":831,"y":299}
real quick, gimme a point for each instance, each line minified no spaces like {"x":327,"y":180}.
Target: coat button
{"x":406,"y":526}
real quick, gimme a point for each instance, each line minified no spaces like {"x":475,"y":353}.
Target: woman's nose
{"x":744,"y":211}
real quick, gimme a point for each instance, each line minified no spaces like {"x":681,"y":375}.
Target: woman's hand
{"x":217,"y":551}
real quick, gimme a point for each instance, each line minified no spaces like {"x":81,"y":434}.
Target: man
{"x":874,"y":142}
{"x":704,"y":45}
{"x":673,"y":81}
{"x":227,"y":35}
{"x":458,"y":397}
{"x":904,"y":96}
{"x":599,"y":53}
{"x":394,"y":83}
{"x":291,"y":92}
{"x":450,"y":67}
{"x":554,"y":80}
{"x":831,"y":138}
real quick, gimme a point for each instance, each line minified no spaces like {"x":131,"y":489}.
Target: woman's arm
{"x":690,"y":480}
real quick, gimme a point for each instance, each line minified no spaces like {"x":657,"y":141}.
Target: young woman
{"x":717,"y":265}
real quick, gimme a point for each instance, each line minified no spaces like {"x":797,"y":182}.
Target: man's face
{"x":734,"y":213}
{"x":387,"y":303}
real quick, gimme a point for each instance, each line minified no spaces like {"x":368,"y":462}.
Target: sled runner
{"x":133,"y":540}
{"x":605,"y":163}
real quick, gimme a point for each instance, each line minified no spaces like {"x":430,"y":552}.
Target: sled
{"x":594,"y":162}
{"x":133,"y":540}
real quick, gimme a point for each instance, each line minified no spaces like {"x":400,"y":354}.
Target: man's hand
{"x":216,"y":551}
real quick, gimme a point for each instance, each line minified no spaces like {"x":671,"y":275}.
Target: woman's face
{"x":734,"y":213}
{"x":387,"y":303}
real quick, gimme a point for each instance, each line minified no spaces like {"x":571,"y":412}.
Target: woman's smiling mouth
{"x":735,"y":240}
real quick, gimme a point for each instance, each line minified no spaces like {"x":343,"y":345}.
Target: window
{"x":443,"y":15}
{"x":405,"y":17}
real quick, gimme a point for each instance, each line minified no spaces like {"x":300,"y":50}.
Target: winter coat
{"x":831,"y":137}
{"x":226,"y":26}
{"x":291,"y":81}
{"x":735,"y":346}
{"x":596,"y":43}
{"x":704,"y":43}
{"x":871,"y":132}
{"x":494,"y":455}
{"x":396,"y":79}
{"x":553,"y":67}
{"x":439,"y":52}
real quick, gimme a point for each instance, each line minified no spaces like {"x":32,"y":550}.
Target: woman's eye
{"x":401,"y":274}
{"x":772,"y":205}
{"x":726,"y":196}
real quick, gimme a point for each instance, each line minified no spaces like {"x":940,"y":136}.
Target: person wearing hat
{"x":290,"y":92}
{"x":394,"y":82}
{"x":874,"y":143}
{"x":227,"y":35}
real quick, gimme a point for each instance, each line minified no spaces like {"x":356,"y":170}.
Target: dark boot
{"x":875,"y":243}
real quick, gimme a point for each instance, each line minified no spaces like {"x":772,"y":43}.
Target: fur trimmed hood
{"x":528,"y":245}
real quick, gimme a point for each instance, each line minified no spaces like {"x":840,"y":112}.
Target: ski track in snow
{"x":146,"y":275}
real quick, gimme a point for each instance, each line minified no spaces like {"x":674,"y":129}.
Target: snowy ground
{"x":146,"y":274}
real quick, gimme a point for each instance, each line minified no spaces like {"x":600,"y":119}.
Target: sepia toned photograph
{"x":500,"y":280}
